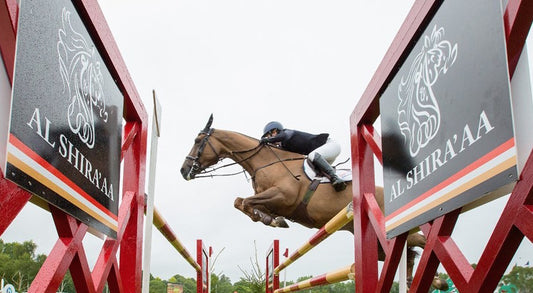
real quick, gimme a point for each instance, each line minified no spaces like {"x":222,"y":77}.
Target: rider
{"x":320,"y":149}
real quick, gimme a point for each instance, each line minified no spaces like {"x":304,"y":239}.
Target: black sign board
{"x":446,"y":118}
{"x":66,"y":119}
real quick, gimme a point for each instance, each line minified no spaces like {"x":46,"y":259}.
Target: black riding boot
{"x":323,"y":166}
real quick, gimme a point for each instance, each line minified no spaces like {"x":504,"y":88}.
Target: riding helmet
{"x":271,"y":126}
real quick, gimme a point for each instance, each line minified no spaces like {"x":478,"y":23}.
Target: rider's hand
{"x":263,"y":140}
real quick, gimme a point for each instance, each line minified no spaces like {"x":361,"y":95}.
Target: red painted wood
{"x":515,"y":221}
{"x":200,"y":288}
{"x":80,"y":267}
{"x":393,"y":252}
{"x":377,"y":220}
{"x":517,"y":21}
{"x":8,"y":24}
{"x":114,"y":281}
{"x":453,"y":260}
{"x":365,"y":240}
{"x":71,"y":234}
{"x":129,"y":133}
{"x":12,"y":200}
{"x":443,"y":247}
{"x":373,"y":139}
{"x":524,"y":219}
{"x":68,"y":251}
{"x":107,"y":257}
{"x":429,"y":262}
{"x":134,"y":158}
{"x":506,"y":236}
{"x":131,"y":247}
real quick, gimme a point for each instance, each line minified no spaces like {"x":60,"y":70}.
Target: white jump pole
{"x":148,"y":224}
{"x":402,"y":280}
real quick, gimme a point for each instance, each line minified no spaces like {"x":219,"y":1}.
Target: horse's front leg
{"x":260,"y":213}
{"x":259,"y":208}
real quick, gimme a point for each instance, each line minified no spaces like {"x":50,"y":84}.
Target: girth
{"x":301,"y":210}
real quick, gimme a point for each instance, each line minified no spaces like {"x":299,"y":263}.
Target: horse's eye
{"x":197,"y":140}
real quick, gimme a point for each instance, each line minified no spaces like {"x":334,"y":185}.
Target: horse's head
{"x":203,"y":154}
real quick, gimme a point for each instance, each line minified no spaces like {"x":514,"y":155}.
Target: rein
{"x":282,"y":161}
{"x":204,"y":173}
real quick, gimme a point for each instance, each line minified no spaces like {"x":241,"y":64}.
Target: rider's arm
{"x":279,"y":137}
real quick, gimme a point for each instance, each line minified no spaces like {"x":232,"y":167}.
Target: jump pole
{"x":344,"y":217}
{"x":156,"y":133}
{"x":336,"y":276}
{"x":165,"y":229}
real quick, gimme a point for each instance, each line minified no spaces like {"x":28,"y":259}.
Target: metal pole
{"x":156,"y":128}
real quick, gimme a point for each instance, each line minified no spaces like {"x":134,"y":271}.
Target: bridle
{"x":196,"y":167}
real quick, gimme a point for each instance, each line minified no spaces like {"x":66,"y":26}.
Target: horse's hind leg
{"x":260,"y":213}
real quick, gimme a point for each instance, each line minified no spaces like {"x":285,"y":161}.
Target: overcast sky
{"x":304,"y":63}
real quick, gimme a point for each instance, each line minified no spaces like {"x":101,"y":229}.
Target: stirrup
{"x":339,"y":184}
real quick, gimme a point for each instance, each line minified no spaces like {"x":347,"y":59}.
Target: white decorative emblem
{"x":82,"y":80}
{"x":418,"y":111}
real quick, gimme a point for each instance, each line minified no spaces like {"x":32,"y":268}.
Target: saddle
{"x":312,"y":174}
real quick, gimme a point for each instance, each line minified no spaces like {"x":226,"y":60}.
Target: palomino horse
{"x":279,"y":183}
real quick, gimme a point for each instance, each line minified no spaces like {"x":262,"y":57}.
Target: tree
{"x":19,"y":264}
{"x":189,"y":284}
{"x":157,"y":285}
{"x":221,"y":284}
{"x":521,"y":277}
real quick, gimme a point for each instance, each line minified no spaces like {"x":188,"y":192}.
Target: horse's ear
{"x":208,"y":125}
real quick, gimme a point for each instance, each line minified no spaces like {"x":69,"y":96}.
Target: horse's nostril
{"x":183,"y":172}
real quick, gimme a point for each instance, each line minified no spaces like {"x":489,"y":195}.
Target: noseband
{"x":196,"y":166}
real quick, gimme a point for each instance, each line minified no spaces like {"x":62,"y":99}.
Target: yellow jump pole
{"x":339,"y":275}
{"x":337,"y":222}
{"x":165,"y":229}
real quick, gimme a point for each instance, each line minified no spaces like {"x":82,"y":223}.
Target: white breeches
{"x":329,"y":151}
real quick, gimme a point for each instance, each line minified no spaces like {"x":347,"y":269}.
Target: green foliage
{"x":189,"y":284}
{"x":521,"y":277}
{"x":157,"y":285}
{"x":221,"y":284}
{"x":19,"y":264}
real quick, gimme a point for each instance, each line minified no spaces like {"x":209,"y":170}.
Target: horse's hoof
{"x":280,"y":222}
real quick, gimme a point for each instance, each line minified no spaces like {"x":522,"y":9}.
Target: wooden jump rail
{"x":344,"y":217}
{"x":165,"y":229}
{"x":333,"y":277}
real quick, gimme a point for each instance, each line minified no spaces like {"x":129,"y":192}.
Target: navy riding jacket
{"x":299,"y":141}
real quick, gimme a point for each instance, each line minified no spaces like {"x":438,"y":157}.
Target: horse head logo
{"x":418,"y":111}
{"x":82,"y":79}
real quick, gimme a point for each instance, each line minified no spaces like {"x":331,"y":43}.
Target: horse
{"x":279,"y":182}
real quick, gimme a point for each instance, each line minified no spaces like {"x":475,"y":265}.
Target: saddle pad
{"x":344,"y":174}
